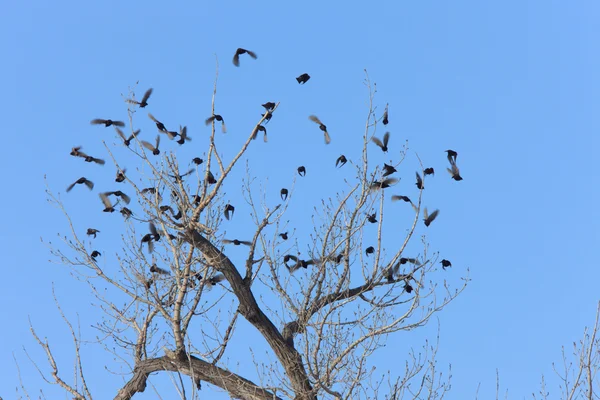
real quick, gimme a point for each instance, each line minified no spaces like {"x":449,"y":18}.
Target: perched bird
{"x":370,"y":250}
{"x":302,"y":170}
{"x":197,"y":160}
{"x":156,"y":270}
{"x":302,"y":79}
{"x":79,"y":181}
{"x":106,"y":122}
{"x":92,"y":232}
{"x":126,"y":212}
{"x":197,"y":199}
{"x":183,"y":135}
{"x":321,"y":127}
{"x":428,"y":171}
{"x":260,"y":128}
{"x":229,"y":210}
{"x":372,"y":218}
{"x":407,"y":287}
{"x":383,"y":184}
{"x":108,"y":207}
{"x":452,"y":156}
{"x":454,"y":172}
{"x":284,"y":235}
{"x":388,"y":169}
{"x":144,"y":101}
{"x":127,"y":140}
{"x":120,"y":175}
{"x":240,"y":51}
{"x":284,"y":194}
{"x":216,"y":117}
{"x":210,"y":178}
{"x":385,"y":115}
{"x":429,"y":217}
{"x":149,"y":146}
{"x":120,"y":194}
{"x":95,"y":254}
{"x":341,"y":161}
{"x":384,"y":144}
{"x":445,"y":264}
{"x":237,"y":242}
{"x":269,"y":106}
{"x":159,"y":125}
{"x":419,"y":182}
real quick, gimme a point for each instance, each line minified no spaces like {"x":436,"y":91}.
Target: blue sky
{"x":512,"y":86}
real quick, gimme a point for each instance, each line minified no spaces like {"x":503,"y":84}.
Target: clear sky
{"x":513,"y":86}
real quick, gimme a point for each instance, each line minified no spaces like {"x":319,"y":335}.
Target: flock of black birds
{"x":296,"y":262}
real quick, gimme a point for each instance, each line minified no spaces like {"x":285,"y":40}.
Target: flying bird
{"x":108,"y":207}
{"x":370,"y":250}
{"x":302,"y":79}
{"x":429,"y":217}
{"x":403,"y":198}
{"x":156,"y":270}
{"x":385,"y":115}
{"x":268,"y":115}
{"x":120,"y":194}
{"x":152,"y":148}
{"x":445,"y":263}
{"x":298,"y":263}
{"x":383,"y":184}
{"x":92,"y":232}
{"x":197,"y":160}
{"x":302,"y":170}
{"x":284,"y":194}
{"x":322,"y":127}
{"x":76,"y":152}
{"x":144,"y":101}
{"x":384,"y":144}
{"x":452,"y":156}
{"x":95,"y":254}
{"x":388,"y":169}
{"x":428,"y":171}
{"x":372,"y":218}
{"x":341,"y":161}
{"x":127,"y":140}
{"x":215,"y":279}
{"x":407,"y":287}
{"x":284,"y":235}
{"x":95,"y":160}
{"x":229,"y":210}
{"x":216,"y":117}
{"x":260,"y":128}
{"x":240,"y":51}
{"x":237,"y":242}
{"x":120,"y":175}
{"x":106,"y":122}
{"x":454,"y":172}
{"x":159,"y":125}
{"x":80,"y":181}
{"x":419,"y":182}
{"x":183,"y":135}
{"x":126,"y":212}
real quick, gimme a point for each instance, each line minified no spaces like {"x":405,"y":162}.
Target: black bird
{"x":153,"y":231}
{"x":298,"y":263}
{"x":284,"y":235}
{"x":408,"y":288}
{"x":197,"y":199}
{"x":76,"y":153}
{"x":268,"y":115}
{"x":404,"y":260}
{"x":229,"y":210}
{"x":302,"y":79}
{"x":166,"y":208}
{"x":445,"y":264}
{"x":322,"y":127}
{"x":372,"y":218}
{"x":106,"y":122}
{"x":183,"y":135}
{"x":149,"y":146}
{"x":126,"y":212}
{"x":428,"y":171}
{"x":95,"y":254}
{"x":156,"y":270}
{"x":370,"y":250}
{"x":108,"y":207}
{"x":149,"y":283}
{"x":210,"y":178}
{"x":260,"y":128}
{"x":178,"y":215}
{"x":120,"y":194}
{"x":144,"y":101}
{"x":452,"y":156}
{"x":93,"y":159}
{"x":215,"y":279}
{"x":197,"y":160}
{"x":302,"y":170}
{"x":429,"y":217}
{"x":120,"y":175}
{"x":339,"y":258}
{"x":388,"y":169}
{"x":92,"y":232}
{"x":127,"y":140}
{"x":403,"y":198}
{"x":284,"y":194}
{"x":269,"y":106}
{"x":237,"y":242}
{"x":384,"y":144}
{"x":392,"y":272}
{"x":216,"y":117}
{"x":419,"y":182}
{"x":159,"y":125}
{"x":385,"y":115}
{"x":79,"y":181}
{"x":180,"y":177}
{"x":341,"y":161}
{"x":240,"y":51}
{"x":151,"y":190}
{"x":383,"y":184}
{"x":454,"y":172}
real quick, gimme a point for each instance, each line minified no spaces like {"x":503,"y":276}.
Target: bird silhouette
{"x":454,"y":172}
{"x":237,"y":242}
{"x":127,"y":140}
{"x":428,"y":171}
{"x":179,"y":177}
{"x":80,"y":181}
{"x":370,"y":250}
{"x":372,"y":218}
{"x":240,"y":51}
{"x":92,"y":232}
{"x":75,"y":152}
{"x":452,"y":156}
{"x":210,"y":178}
{"x":429,"y":217}
{"x":120,"y":175}
{"x":403,"y":198}
{"x":284,"y":194}
{"x":216,"y":117}
{"x":388,"y":169}
{"x":153,"y":231}
{"x":161,"y":127}
{"x":322,"y":127}
{"x":407,"y":287}
{"x":197,"y":160}
{"x":269,"y":106}
{"x":302,"y":79}
{"x":260,"y":128}
{"x":215,"y":279}
{"x":156,"y":270}
{"x":126,"y":212}
{"x":183,"y":135}
{"x":94,"y":160}
{"x":445,"y":263}
{"x":152,"y":148}
{"x":229,"y":210}
{"x":419,"y":182}
{"x":120,"y":194}
{"x":106,"y":122}
{"x":284,"y":235}
{"x":385,"y":115}
{"x":108,"y":207}
{"x":383,"y":145}
{"x":383,"y":184}
{"x":144,"y":101}
{"x":298,"y":263}
{"x":95,"y":254}
{"x":302,"y":170}
{"x":341,"y":160}
{"x":391,"y":272}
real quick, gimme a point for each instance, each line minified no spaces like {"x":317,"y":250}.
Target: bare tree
{"x":323,"y":304}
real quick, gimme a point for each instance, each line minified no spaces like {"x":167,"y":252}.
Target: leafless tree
{"x":322,"y":305}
